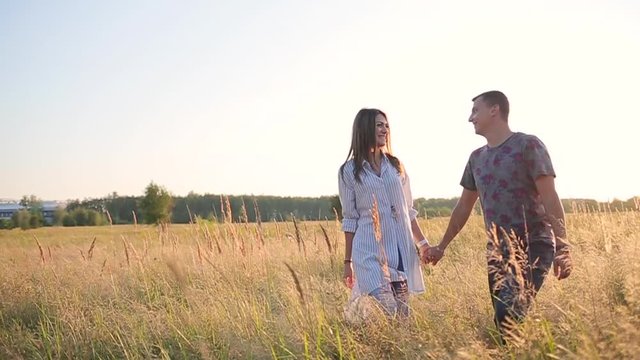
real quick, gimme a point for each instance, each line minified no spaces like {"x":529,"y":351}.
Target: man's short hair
{"x":495,"y":97}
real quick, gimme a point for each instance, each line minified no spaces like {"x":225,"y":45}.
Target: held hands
{"x":431,"y":254}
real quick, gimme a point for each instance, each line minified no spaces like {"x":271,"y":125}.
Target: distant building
{"x":8,"y":209}
{"x":48,"y":209}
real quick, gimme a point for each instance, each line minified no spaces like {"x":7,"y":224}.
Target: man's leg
{"x":500,"y":293}
{"x":513,"y":291}
{"x":541,"y":255}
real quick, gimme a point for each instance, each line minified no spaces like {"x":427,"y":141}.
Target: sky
{"x":258,"y":97}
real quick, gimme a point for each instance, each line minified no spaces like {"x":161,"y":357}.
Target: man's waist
{"x":533,"y":229}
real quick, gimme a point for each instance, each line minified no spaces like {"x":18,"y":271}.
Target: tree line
{"x":157,"y":205}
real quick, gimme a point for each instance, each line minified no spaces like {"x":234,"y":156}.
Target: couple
{"x":514,"y":179}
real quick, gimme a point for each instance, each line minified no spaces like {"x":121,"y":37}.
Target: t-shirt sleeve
{"x":537,"y":158}
{"x":468,"y":181}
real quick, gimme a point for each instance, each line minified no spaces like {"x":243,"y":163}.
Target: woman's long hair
{"x":363,"y":139}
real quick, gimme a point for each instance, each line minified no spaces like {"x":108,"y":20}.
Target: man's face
{"x":482,"y":115}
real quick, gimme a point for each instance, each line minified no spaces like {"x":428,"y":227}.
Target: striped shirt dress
{"x":392,"y":256}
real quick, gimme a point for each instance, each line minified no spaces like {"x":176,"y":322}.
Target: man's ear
{"x":495,"y":109}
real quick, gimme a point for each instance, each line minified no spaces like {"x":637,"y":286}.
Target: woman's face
{"x":382,"y":130}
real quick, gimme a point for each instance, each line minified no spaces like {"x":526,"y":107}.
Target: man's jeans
{"x":515,"y":276}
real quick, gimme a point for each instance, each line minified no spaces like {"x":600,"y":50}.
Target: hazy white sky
{"x":258,"y":97}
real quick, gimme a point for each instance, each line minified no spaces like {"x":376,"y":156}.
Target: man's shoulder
{"x":529,"y":142}
{"x":477,"y":152}
{"x":525,"y":138}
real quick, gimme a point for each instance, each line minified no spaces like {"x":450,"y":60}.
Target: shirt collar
{"x":383,"y":164}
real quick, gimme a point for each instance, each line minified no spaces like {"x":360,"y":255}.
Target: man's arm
{"x":555,"y":213}
{"x":553,"y":207}
{"x":459,"y":217}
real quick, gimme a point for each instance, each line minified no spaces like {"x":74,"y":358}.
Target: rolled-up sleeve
{"x":347,"y":195}
{"x":406,"y":189}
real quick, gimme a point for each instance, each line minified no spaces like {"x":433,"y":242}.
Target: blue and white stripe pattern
{"x":395,"y":207}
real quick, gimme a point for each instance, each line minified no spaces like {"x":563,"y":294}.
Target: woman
{"x":379,"y":222}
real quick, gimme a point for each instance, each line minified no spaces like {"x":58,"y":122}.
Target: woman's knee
{"x":386,"y":299}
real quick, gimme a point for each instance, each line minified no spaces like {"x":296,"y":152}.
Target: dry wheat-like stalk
{"x":199,"y":252}
{"x":229,"y":213}
{"x":126,"y":250}
{"x":259,"y":237}
{"x":206,"y":234}
{"x":243,"y":248}
{"x":375,"y":215}
{"x":243,"y":212}
{"x":135,"y":254}
{"x":109,"y":217}
{"x":215,"y":238}
{"x":39,"y":248}
{"x":228,"y":220}
{"x":337,"y":228}
{"x":301,"y":245}
{"x":90,"y":252}
{"x":145,"y":247}
{"x":190,"y":215}
{"x":297,"y":283}
{"x":326,"y":239}
{"x":377,"y":230}
{"x":259,"y":230}
{"x":224,"y":214}
{"x":278,"y":236}
{"x":256,"y":211}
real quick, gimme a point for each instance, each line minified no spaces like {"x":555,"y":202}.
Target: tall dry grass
{"x":233,"y":290}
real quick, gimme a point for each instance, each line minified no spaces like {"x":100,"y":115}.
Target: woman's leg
{"x":401,"y":295}
{"x":386,"y":299}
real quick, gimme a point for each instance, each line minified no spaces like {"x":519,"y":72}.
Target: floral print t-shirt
{"x":504,"y":177}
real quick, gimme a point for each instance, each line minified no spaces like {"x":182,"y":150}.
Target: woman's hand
{"x":348,"y":274}
{"x":423,"y":252}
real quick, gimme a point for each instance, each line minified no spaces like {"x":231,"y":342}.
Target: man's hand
{"x":433,"y":254}
{"x":348,"y":275}
{"x":562,"y":264}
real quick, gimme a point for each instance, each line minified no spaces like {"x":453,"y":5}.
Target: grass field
{"x":238,"y":291}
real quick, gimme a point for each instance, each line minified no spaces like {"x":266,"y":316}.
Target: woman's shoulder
{"x":349,"y":164}
{"x":395,"y":162}
{"x":346,"y":168}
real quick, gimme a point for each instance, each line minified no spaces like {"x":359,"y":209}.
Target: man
{"x":514,"y":179}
